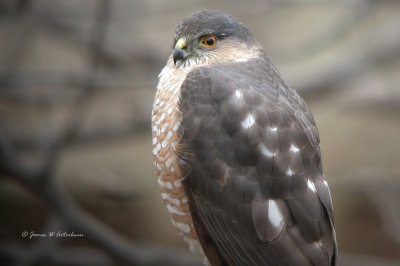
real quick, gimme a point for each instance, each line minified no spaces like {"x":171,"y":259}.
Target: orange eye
{"x":209,"y":41}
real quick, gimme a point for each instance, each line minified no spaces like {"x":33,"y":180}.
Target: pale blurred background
{"x":77,"y":81}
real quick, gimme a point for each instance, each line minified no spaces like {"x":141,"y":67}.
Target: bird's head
{"x":209,"y":37}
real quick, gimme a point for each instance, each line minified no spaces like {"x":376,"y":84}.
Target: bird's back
{"x":254,"y":179}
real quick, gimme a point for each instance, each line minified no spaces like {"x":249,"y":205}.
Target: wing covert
{"x":254,"y":175}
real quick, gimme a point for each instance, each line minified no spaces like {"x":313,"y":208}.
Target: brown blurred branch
{"x":95,"y":231}
{"x":383,"y":194}
{"x":353,"y":13}
{"x":40,"y":182}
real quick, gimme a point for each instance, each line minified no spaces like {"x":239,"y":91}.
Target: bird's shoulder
{"x":253,"y":87}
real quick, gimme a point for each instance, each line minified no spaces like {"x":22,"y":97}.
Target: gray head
{"x":208,"y":37}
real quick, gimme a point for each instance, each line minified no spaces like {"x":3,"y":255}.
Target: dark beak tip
{"x":177,"y":55}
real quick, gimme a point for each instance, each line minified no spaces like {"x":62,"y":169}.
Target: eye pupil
{"x":210,"y":41}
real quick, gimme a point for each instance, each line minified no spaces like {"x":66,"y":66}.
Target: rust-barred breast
{"x":237,"y":152}
{"x":166,"y":123}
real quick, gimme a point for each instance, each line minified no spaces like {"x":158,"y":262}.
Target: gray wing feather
{"x":256,"y":180}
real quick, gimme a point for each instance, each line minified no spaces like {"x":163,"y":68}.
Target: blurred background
{"x":77,"y":81}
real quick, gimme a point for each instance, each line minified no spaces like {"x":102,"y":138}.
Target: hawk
{"x":237,"y":152}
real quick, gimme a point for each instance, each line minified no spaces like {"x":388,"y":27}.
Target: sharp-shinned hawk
{"x":237,"y":152}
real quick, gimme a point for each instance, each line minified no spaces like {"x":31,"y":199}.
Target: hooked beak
{"x":179,"y":50}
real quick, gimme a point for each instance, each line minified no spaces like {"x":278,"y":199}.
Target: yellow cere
{"x":181,"y":43}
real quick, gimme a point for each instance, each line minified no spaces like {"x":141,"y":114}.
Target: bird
{"x":237,"y":151}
